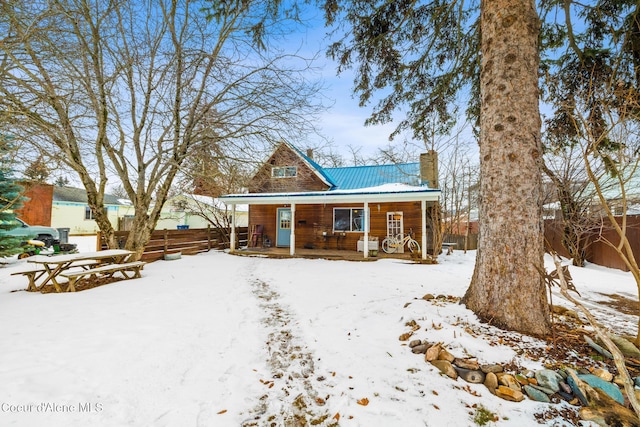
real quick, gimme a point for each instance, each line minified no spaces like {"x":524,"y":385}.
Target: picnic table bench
{"x":73,"y":267}
{"x":104,"y":270}
{"x":38,"y":271}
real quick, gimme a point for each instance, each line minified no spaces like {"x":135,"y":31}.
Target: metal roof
{"x":319,"y":170}
{"x":354,"y":177}
{"x":78,"y":195}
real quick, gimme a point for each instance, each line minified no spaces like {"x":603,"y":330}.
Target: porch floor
{"x":320,"y":253}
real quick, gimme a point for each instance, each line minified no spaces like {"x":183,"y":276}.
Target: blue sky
{"x":343,"y":122}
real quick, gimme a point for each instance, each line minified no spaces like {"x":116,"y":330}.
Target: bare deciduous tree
{"x":126,"y":90}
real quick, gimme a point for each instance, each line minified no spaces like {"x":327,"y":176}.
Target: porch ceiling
{"x":380,"y":194}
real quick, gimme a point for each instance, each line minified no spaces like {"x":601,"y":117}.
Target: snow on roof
{"x":216,"y":203}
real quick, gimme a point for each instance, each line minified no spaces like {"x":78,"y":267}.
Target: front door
{"x":395,"y":226}
{"x":283,"y":237}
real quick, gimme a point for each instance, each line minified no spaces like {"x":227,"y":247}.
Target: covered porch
{"x":415,"y":200}
{"x":320,"y":253}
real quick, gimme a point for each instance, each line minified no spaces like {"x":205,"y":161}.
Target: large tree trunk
{"x":506,"y":289}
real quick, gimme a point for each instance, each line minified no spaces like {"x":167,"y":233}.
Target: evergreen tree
{"x":10,"y":199}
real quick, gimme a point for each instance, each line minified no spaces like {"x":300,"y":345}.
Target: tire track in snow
{"x":292,"y":396}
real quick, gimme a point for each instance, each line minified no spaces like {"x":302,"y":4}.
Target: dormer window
{"x":284,"y":171}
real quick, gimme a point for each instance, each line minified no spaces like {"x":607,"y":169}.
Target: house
{"x":191,"y":211}
{"x":297,"y":203}
{"x":70,"y":209}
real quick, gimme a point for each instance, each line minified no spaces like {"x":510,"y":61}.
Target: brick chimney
{"x":310,"y":153}
{"x":429,"y":169}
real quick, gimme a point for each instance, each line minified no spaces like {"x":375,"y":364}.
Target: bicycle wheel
{"x":388,"y":246}
{"x":414,"y":247}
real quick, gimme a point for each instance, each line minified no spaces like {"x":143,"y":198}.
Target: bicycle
{"x":391,"y":244}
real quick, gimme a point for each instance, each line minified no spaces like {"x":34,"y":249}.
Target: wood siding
{"x":305,"y":180}
{"x":312,"y":220}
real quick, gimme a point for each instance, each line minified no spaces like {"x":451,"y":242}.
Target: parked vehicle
{"x":47,"y":235}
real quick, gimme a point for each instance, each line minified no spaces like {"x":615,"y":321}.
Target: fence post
{"x":166,"y":241}
{"x":99,"y":241}
{"x":208,"y":237}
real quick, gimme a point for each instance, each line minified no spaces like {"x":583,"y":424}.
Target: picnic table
{"x":75,"y":266}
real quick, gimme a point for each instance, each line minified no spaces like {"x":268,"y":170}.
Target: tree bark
{"x":506,"y":289}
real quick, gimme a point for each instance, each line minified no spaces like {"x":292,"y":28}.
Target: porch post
{"x":366,"y":230}
{"x":292,"y":240}
{"x":423,"y":208}
{"x":232,"y":247}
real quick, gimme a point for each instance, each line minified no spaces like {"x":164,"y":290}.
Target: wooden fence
{"x":472,"y":241}
{"x":598,"y":251}
{"x":188,"y":242}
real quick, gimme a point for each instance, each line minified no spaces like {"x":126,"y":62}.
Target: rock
{"x":614,"y":416}
{"x":535,"y":394}
{"x":578,"y":387}
{"x":471,"y":364}
{"x":611,"y":389}
{"x":445,"y":355}
{"x":420,"y":349}
{"x":491,"y":368}
{"x":566,"y":396}
{"x":471,"y":376}
{"x":491,"y":382}
{"x":549,"y":379}
{"x":522,"y":379}
{"x":446,"y":368}
{"x":604,"y":411}
{"x":603,"y":374}
{"x":433,"y":352}
{"x":627,"y":348}
{"x":508,"y":380}
{"x":565,"y":387}
{"x":507,"y":393}
{"x":428,"y":297}
{"x":597,"y":348}
{"x":545,"y":390}
{"x":415,"y":343}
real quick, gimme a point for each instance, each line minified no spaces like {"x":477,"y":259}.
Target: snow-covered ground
{"x":223,"y":340}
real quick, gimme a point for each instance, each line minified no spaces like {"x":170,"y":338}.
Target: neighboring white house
{"x":191,"y":210}
{"x":70,"y":209}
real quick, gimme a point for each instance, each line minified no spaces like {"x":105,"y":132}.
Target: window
{"x":88,"y":213}
{"x":284,"y":171}
{"x":348,"y":219}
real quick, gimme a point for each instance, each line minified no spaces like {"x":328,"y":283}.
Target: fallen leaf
{"x":405,"y":336}
{"x":337,"y":416}
{"x":364,"y":401}
{"x":222,"y":412}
